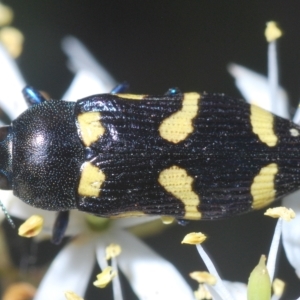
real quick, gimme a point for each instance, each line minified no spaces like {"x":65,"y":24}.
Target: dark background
{"x":155,"y":45}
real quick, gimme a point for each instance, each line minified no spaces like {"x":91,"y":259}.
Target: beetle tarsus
{"x":182,"y":222}
{"x":32,"y":96}
{"x":60,"y":226}
{"x":173,"y":91}
{"x":120,"y":88}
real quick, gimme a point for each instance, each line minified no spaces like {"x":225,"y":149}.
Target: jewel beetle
{"x":187,"y":155}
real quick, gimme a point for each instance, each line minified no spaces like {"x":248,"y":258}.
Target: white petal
{"x":21,"y":210}
{"x":219,"y":288}
{"x":291,"y":232}
{"x":12,"y":83}
{"x":77,"y":223}
{"x":150,"y":276}
{"x":238,"y":290}
{"x":255,"y":89}
{"x":84,"y":84}
{"x":81,"y":59}
{"x":17,"y":208}
{"x":214,"y":293}
{"x":273,"y":253}
{"x":101,"y":245}
{"x":296,"y":118}
{"x":70,"y":271}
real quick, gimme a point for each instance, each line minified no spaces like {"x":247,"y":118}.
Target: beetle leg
{"x":182,"y":222}
{"x":32,"y":96}
{"x":173,"y":91}
{"x":60,"y":226}
{"x":120,"y":88}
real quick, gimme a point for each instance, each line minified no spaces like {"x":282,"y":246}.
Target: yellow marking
{"x":90,"y":127}
{"x":131,"y":96}
{"x":179,"y":125}
{"x":128,"y":214}
{"x":262,"y":124}
{"x":263,"y":186}
{"x":294,"y":132}
{"x":192,"y":213}
{"x":177,"y":182}
{"x":91,"y":180}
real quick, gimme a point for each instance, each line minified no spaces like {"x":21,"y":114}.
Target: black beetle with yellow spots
{"x":184,"y":155}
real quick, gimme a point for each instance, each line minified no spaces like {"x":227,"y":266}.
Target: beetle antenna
{"x":8,"y":217}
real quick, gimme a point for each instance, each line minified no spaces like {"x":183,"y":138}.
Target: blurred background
{"x":155,"y":45}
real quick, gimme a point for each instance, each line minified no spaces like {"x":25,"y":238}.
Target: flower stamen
{"x":31,"y":227}
{"x":203,"y":277}
{"x":202,"y":293}
{"x":194,"y":238}
{"x":113,"y":250}
{"x":72,"y":296}
{"x":287,"y":214}
{"x":105,"y":277}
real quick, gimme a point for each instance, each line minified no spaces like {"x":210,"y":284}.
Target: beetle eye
{"x":4,"y":182}
{"x":4,"y":132}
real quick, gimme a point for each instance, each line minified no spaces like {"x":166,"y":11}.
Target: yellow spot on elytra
{"x":272,"y":32}
{"x":90,"y":127}
{"x":131,"y":96}
{"x":262,"y":123}
{"x":287,"y":214}
{"x":91,"y":180}
{"x":31,"y":227}
{"x":105,"y":277}
{"x":194,"y":238}
{"x":294,"y":132}
{"x":263,"y":186}
{"x":177,"y":182}
{"x":178,"y":126}
{"x":128,"y":214}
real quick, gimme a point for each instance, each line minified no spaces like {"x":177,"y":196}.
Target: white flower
{"x":225,"y":290}
{"x":12,"y":84}
{"x":291,"y":232}
{"x":257,"y":89}
{"x":150,"y":276}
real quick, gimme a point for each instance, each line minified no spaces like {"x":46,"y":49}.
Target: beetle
{"x":187,"y":155}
